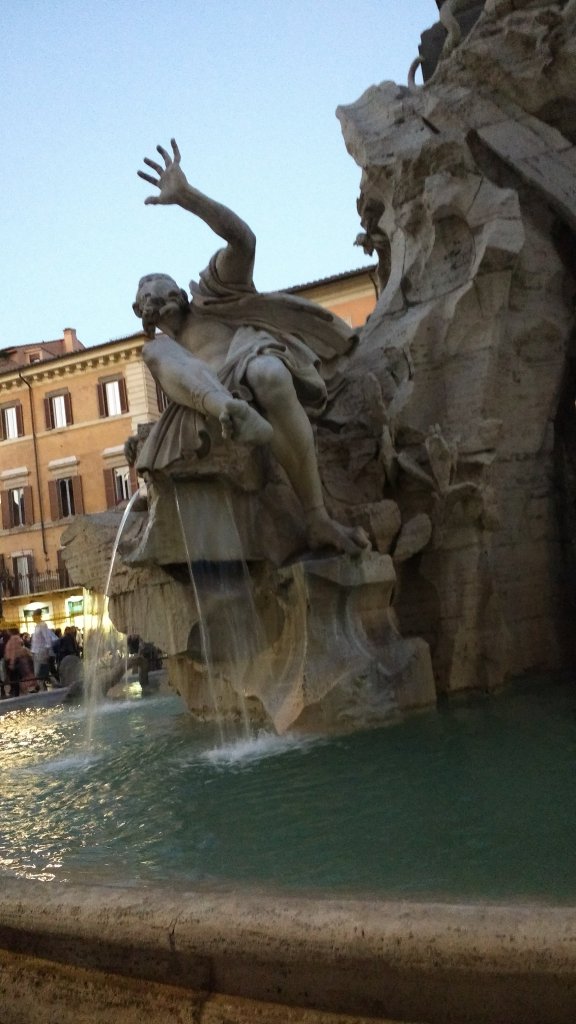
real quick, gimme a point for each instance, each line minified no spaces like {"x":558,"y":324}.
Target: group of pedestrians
{"x":29,"y":663}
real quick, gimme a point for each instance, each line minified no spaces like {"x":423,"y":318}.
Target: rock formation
{"x":468,"y":197}
{"x":447,"y":435}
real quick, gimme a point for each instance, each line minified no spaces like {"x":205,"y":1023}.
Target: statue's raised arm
{"x":235,"y":263}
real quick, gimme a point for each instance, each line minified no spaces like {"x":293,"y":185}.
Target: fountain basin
{"x":170,"y":916}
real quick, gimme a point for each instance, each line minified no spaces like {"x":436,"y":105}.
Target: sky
{"x":249,"y":89}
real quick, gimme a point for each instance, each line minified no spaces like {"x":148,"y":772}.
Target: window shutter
{"x":54,"y":496}
{"x":77,"y":495}
{"x":123,"y":394}
{"x":6,"y":506}
{"x":48,"y":414}
{"x":2,"y":426}
{"x":19,"y":420}
{"x":133,"y":480}
{"x":109,"y":488}
{"x":28,"y":506}
{"x":102,"y":407}
{"x":68,"y":407}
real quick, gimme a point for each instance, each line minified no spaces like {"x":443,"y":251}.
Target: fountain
{"x":414,"y":544}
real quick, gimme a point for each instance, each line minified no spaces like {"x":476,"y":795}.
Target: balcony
{"x":33,"y":583}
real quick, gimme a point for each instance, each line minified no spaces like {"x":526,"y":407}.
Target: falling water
{"x":105,"y":649}
{"x":205,"y":644}
{"x":229,"y":625}
{"x":247,"y":642}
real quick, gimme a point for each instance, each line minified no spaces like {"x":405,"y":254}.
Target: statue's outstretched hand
{"x":171,"y":179}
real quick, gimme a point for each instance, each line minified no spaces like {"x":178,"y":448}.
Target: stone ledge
{"x":437,"y":963}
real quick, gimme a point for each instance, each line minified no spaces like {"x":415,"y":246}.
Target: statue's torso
{"x":207,"y":339}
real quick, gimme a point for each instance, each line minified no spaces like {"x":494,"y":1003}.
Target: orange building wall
{"x":353,"y":297}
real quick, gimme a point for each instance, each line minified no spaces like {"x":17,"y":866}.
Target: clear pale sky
{"x":248,"y":88}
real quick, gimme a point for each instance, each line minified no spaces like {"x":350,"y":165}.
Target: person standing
{"x":42,"y":648}
{"x":19,"y":666}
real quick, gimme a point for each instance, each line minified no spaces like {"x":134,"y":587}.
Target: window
{"x":161,"y":398}
{"x":58,"y":409}
{"x":122,"y":483}
{"x":11,"y":422}
{"x":17,"y":508}
{"x":63,"y":577}
{"x":65,"y":497}
{"x":74,"y":608}
{"x":112,"y":399}
{"x":119,"y":484}
{"x":36,"y":606}
{"x":16,"y":500}
{"x":23,"y":571}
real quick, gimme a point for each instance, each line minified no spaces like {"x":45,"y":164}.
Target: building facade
{"x":65,"y":413}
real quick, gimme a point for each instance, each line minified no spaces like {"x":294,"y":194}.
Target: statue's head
{"x":158,"y":298}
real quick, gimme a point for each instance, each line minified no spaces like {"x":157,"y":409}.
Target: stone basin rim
{"x":380,"y":957}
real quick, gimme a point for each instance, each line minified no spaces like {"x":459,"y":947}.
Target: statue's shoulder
{"x":210,"y":285}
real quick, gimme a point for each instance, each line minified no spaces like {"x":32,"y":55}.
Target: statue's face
{"x":158,"y":298}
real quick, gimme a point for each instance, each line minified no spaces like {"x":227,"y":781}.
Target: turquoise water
{"x":476,"y":800}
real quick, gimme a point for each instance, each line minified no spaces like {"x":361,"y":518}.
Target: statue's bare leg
{"x":293,"y":445}
{"x":190,"y":382}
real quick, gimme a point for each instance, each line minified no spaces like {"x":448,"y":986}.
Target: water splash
{"x":256,"y":748}
{"x":73,"y":763}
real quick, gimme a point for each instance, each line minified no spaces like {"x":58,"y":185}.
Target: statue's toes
{"x":361,"y":538}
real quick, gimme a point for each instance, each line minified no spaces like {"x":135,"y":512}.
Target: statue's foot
{"x":240,"y":422}
{"x":323,"y":532}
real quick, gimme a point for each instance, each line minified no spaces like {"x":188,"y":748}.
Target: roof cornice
{"x":113,"y":353}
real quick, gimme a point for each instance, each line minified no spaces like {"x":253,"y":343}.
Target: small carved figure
{"x":247,"y":360}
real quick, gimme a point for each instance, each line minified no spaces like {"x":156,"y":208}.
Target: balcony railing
{"x":33,"y":583}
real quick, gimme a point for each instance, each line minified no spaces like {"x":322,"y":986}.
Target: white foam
{"x":102,"y":708}
{"x":255,"y":748}
{"x":64,"y":764}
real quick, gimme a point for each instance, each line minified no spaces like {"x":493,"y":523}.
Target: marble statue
{"x":252,"y":362}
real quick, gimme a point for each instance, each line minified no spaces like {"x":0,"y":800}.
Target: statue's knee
{"x":270,"y":380}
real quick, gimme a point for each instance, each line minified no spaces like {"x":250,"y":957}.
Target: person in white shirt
{"x":42,"y":648}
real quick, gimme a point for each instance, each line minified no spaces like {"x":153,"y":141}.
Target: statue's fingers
{"x":165,"y":156}
{"x":147,"y":177}
{"x":175,"y":150}
{"x":152,"y":201}
{"x":155,"y":167}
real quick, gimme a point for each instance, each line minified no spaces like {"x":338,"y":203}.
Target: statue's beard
{"x":149,"y":321}
{"x":169,"y":314}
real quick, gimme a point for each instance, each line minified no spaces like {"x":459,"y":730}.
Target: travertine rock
{"x":472,"y":177}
